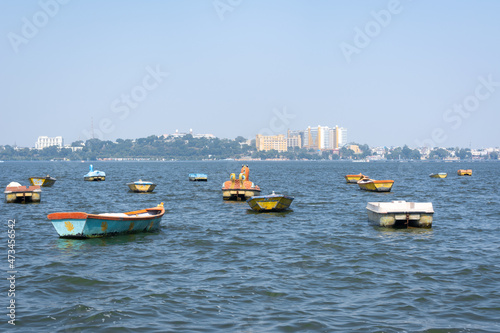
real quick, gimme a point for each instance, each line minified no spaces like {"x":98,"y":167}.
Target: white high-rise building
{"x":45,"y":141}
{"x":342,"y":136}
{"x":324,"y":137}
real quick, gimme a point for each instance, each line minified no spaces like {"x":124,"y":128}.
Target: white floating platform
{"x":401,"y":214}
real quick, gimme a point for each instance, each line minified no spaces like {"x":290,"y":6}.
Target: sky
{"x":421,"y":72}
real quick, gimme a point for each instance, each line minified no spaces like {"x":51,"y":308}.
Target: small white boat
{"x":401,"y":214}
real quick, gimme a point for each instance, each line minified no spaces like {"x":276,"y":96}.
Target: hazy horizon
{"x":390,"y":72}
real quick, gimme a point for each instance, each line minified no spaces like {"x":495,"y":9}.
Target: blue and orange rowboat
{"x":83,"y":225}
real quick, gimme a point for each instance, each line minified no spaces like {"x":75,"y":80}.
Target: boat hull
{"x":421,"y":220}
{"x":463,"y":172}
{"x":141,"y":188}
{"x":400,"y":214}
{"x":23,"y":197}
{"x":353,"y":179}
{"x":376,"y":185}
{"x":82,"y":225}
{"x":438,"y":175}
{"x":271,"y":203}
{"x":42,"y":181}
{"x":94,"y":178}
{"x":239,"y":194}
{"x":23,"y":194}
{"x":198,"y":177}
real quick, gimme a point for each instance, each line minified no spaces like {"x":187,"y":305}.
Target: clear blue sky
{"x":226,"y":67}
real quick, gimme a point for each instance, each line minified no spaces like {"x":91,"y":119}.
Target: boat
{"x":84,"y":225}
{"x":94,"y":175}
{"x":15,"y":192}
{"x":141,"y":186}
{"x":401,"y":214}
{"x":198,"y":177}
{"x":464,"y":172}
{"x":270,"y":203}
{"x":438,"y":175}
{"x":354,"y":178}
{"x":42,"y":181}
{"x":368,"y":184}
{"x":241,"y":188}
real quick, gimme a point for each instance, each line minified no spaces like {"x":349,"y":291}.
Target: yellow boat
{"x":141,"y":186}
{"x":368,"y":184}
{"x":354,"y":178}
{"x":464,"y":172}
{"x":438,"y":175}
{"x":42,"y":181}
{"x":241,"y":188}
{"x":270,"y":203}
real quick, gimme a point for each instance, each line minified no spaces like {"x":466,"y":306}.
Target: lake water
{"x":217,"y":267}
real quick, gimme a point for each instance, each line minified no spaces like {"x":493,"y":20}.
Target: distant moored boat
{"x":464,"y":172}
{"x":438,"y":175}
{"x":15,"y":192}
{"x":141,"y":186}
{"x":198,"y":177}
{"x":94,"y":175}
{"x":42,"y":181}
{"x":241,"y":188}
{"x":401,"y":214}
{"x":270,"y":203}
{"x":354,"y":178}
{"x":368,"y":184}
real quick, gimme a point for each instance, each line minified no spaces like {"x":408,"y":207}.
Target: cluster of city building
{"x":319,"y":138}
{"x":178,"y":134}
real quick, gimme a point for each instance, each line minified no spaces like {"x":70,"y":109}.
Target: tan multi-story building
{"x":268,"y":142}
{"x":355,"y":149}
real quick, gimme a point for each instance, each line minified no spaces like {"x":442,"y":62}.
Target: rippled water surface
{"x":217,"y":267}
